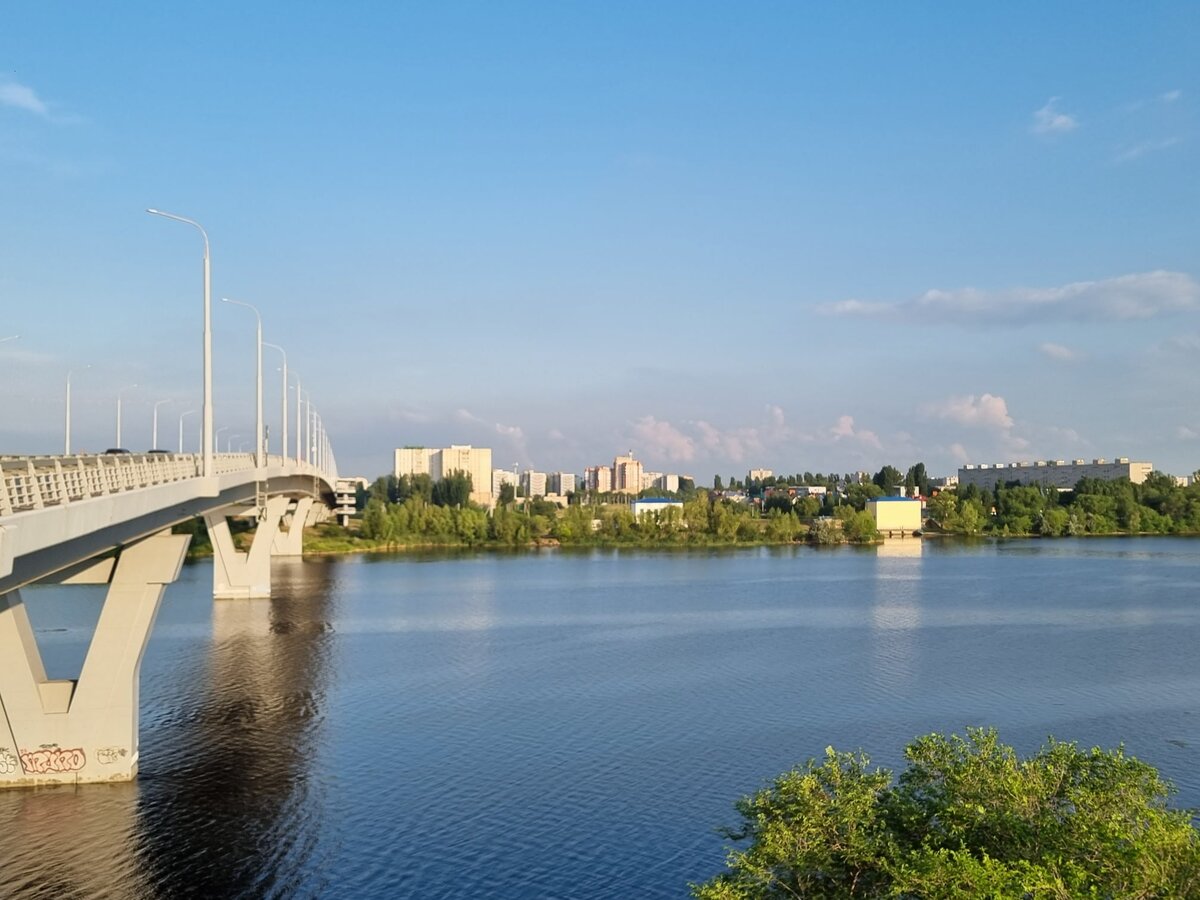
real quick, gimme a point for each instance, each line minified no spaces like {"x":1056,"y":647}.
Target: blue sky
{"x":799,"y":236}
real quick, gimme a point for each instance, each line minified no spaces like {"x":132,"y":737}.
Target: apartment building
{"x":1053,"y":473}
{"x":438,"y":463}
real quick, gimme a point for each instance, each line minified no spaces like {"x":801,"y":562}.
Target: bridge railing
{"x":36,"y":482}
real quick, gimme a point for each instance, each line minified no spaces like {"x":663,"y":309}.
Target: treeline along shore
{"x":410,"y":513}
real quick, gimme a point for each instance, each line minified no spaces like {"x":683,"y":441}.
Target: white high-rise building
{"x":533,"y":483}
{"x":598,"y":479}
{"x":412,"y":461}
{"x":437,"y":464}
{"x":561,"y":483}
{"x":473,"y":461}
{"x":501,"y":477}
{"x":626,"y":475}
{"x":667,"y":482}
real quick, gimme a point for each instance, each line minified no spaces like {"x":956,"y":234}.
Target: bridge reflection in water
{"x":227,"y":775}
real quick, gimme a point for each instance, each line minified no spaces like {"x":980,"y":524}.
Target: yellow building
{"x":896,"y":514}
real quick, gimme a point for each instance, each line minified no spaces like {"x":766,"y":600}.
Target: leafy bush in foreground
{"x":966,"y":819}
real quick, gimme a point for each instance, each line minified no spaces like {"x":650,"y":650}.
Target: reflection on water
{"x":62,"y":842}
{"x":895,"y":614}
{"x":577,"y":724}
{"x":900,"y":548}
{"x":229,"y":778}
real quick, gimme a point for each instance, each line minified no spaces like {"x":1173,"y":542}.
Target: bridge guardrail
{"x":37,"y":482}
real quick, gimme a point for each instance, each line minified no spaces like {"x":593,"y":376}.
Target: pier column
{"x":291,"y":541}
{"x":83,"y":730}
{"x":237,"y":574}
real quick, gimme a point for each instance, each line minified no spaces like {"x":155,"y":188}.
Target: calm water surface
{"x":561,"y":725}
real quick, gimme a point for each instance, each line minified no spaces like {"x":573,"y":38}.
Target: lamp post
{"x":154,"y":441}
{"x":217,"y":437}
{"x":181,"y":415}
{"x":67,"y":422}
{"x":207,"y":438}
{"x":229,"y":442}
{"x":119,"y":393}
{"x":318,"y":441}
{"x":308,"y":427}
{"x":258,"y":417}
{"x":298,"y":444}
{"x":283,"y":400}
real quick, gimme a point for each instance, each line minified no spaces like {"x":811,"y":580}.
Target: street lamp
{"x":217,"y":437}
{"x":283,"y":400}
{"x":67,"y":423}
{"x":207,"y":437}
{"x":258,"y":418}
{"x":298,"y":444}
{"x":308,"y":427}
{"x":181,"y":415}
{"x":154,"y":441}
{"x":127,"y":387}
{"x":229,"y":442}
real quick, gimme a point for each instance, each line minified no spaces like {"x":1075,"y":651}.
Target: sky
{"x":796,"y":236}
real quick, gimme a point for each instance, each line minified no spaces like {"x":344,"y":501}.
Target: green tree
{"x":859,"y":527}
{"x":778,"y":502}
{"x":508,"y":493}
{"x":887,"y":478}
{"x":453,"y":490}
{"x":967,"y":818}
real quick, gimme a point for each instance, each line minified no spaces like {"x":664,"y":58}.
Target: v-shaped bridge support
{"x":55,"y":731}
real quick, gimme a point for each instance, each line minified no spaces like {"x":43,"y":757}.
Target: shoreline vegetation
{"x":967,"y":817}
{"x":415,"y":514}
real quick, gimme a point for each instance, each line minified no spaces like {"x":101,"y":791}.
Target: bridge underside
{"x":86,"y":729}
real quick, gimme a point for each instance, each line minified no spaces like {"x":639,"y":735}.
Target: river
{"x":555,"y":724}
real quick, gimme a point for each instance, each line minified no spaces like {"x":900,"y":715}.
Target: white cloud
{"x":1138,"y":296}
{"x":856,"y":308}
{"x":1049,"y":120}
{"x":959,"y":452}
{"x":986,"y":411}
{"x":19,"y":96}
{"x":1138,"y":150}
{"x":663,"y":440}
{"x":1186,"y":434}
{"x":732,"y":445}
{"x":1170,"y":96}
{"x":1058,"y":352}
{"x":465,"y":415}
{"x":846,"y":430}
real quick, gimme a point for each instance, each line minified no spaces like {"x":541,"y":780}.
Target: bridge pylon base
{"x":237,"y":574}
{"x":291,"y":542}
{"x":83,"y":730}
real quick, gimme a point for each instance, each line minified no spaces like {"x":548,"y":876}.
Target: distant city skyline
{"x":727,"y":236}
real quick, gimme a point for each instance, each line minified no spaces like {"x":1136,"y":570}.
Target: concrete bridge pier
{"x":83,"y":730}
{"x":237,"y":574}
{"x":291,"y":541}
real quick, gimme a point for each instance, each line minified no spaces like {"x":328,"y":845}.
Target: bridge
{"x":107,"y":519}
